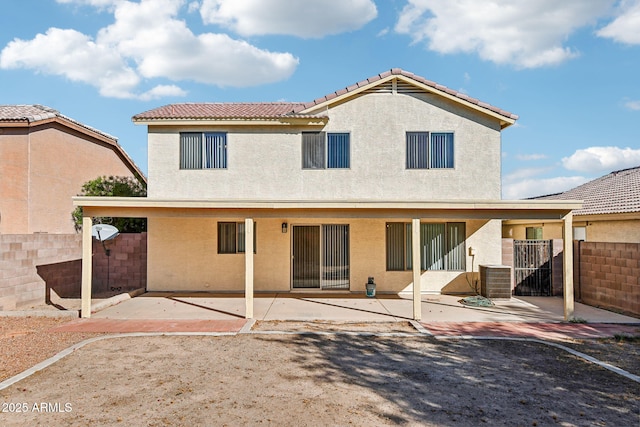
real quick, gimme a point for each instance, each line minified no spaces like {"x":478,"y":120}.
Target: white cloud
{"x":525,"y":34}
{"x":625,"y":27}
{"x":297,"y":18}
{"x":526,"y":157}
{"x":540,"y":187}
{"x":95,"y":3}
{"x":146,"y":41}
{"x":632,"y":105}
{"x":598,"y":159}
{"x":76,"y":56}
{"x":161,"y":91}
{"x":522,"y":173}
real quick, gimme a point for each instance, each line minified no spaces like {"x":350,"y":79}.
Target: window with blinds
{"x":321,"y":150}
{"x":429,"y":150}
{"x":231,"y":237}
{"x":442,"y":246}
{"x":203,"y":150}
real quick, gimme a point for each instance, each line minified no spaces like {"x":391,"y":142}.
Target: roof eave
{"x":271,"y":121}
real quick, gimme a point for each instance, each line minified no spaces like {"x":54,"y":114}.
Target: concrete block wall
{"x":33,"y":264}
{"x":507,"y":257}
{"x":609,"y":276}
{"x":125,"y":269}
{"x":20,"y":254}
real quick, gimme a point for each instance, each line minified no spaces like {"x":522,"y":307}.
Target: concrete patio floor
{"x":349,"y":308}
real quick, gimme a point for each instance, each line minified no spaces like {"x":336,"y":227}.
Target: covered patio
{"x":252,"y":304}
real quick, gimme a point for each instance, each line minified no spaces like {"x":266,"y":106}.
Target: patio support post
{"x":87,"y":260}
{"x":568,"y":266}
{"x":415,"y":260}
{"x":248,"y":267}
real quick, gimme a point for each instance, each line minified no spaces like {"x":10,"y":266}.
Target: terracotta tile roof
{"x":265,"y":110}
{"x":219,"y":110}
{"x":28,"y":113}
{"x":401,"y":72}
{"x":617,"y":192}
{"x":36,"y":113}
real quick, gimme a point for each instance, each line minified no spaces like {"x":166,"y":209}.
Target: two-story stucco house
{"x":394,"y":177}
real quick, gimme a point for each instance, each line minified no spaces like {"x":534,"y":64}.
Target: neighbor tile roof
{"x":617,"y":192}
{"x":28,"y":113}
{"x":291,"y":109}
{"x":36,"y":113}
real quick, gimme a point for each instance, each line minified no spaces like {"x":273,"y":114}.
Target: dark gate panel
{"x":532,"y":267}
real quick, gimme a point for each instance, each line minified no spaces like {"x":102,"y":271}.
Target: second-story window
{"x":206,"y":150}
{"x":429,"y":150}
{"x":322,"y":150}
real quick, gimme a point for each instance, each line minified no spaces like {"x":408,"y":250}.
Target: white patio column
{"x":415,"y":260}
{"x":568,"y":266}
{"x":248,"y":267}
{"x":87,"y":260}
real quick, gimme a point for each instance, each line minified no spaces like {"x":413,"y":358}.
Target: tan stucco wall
{"x":182,"y":256}
{"x":598,"y":229}
{"x":49,"y":167}
{"x":626,"y":231}
{"x":266,"y":163}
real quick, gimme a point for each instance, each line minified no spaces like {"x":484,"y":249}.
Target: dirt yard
{"x":313,"y":379}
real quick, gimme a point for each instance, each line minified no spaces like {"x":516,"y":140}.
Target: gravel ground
{"x":25,"y":342}
{"x":311,"y":380}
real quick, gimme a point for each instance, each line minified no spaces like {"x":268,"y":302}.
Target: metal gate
{"x":532,"y":267}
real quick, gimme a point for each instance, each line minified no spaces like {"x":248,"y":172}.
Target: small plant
{"x":577,"y":320}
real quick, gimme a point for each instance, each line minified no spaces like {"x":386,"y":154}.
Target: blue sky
{"x":570,"y":69}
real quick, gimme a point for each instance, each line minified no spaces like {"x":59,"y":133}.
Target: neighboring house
{"x":45,"y":158}
{"x":607,"y":234}
{"x":610,"y":213}
{"x":395,"y":178}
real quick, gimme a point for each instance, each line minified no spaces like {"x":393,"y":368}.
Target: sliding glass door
{"x":320,"y":256}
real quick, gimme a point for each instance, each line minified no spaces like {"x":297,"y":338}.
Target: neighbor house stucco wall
{"x":599,"y":228}
{"x":182,"y":256}
{"x":265,"y":163}
{"x":14,"y":181}
{"x":550,"y":230}
{"x":41,"y":169}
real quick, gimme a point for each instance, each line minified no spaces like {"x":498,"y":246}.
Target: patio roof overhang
{"x":549,"y":210}
{"x":459,"y":209}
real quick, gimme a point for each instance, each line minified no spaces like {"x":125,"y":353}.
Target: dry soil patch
{"x":316,"y":379}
